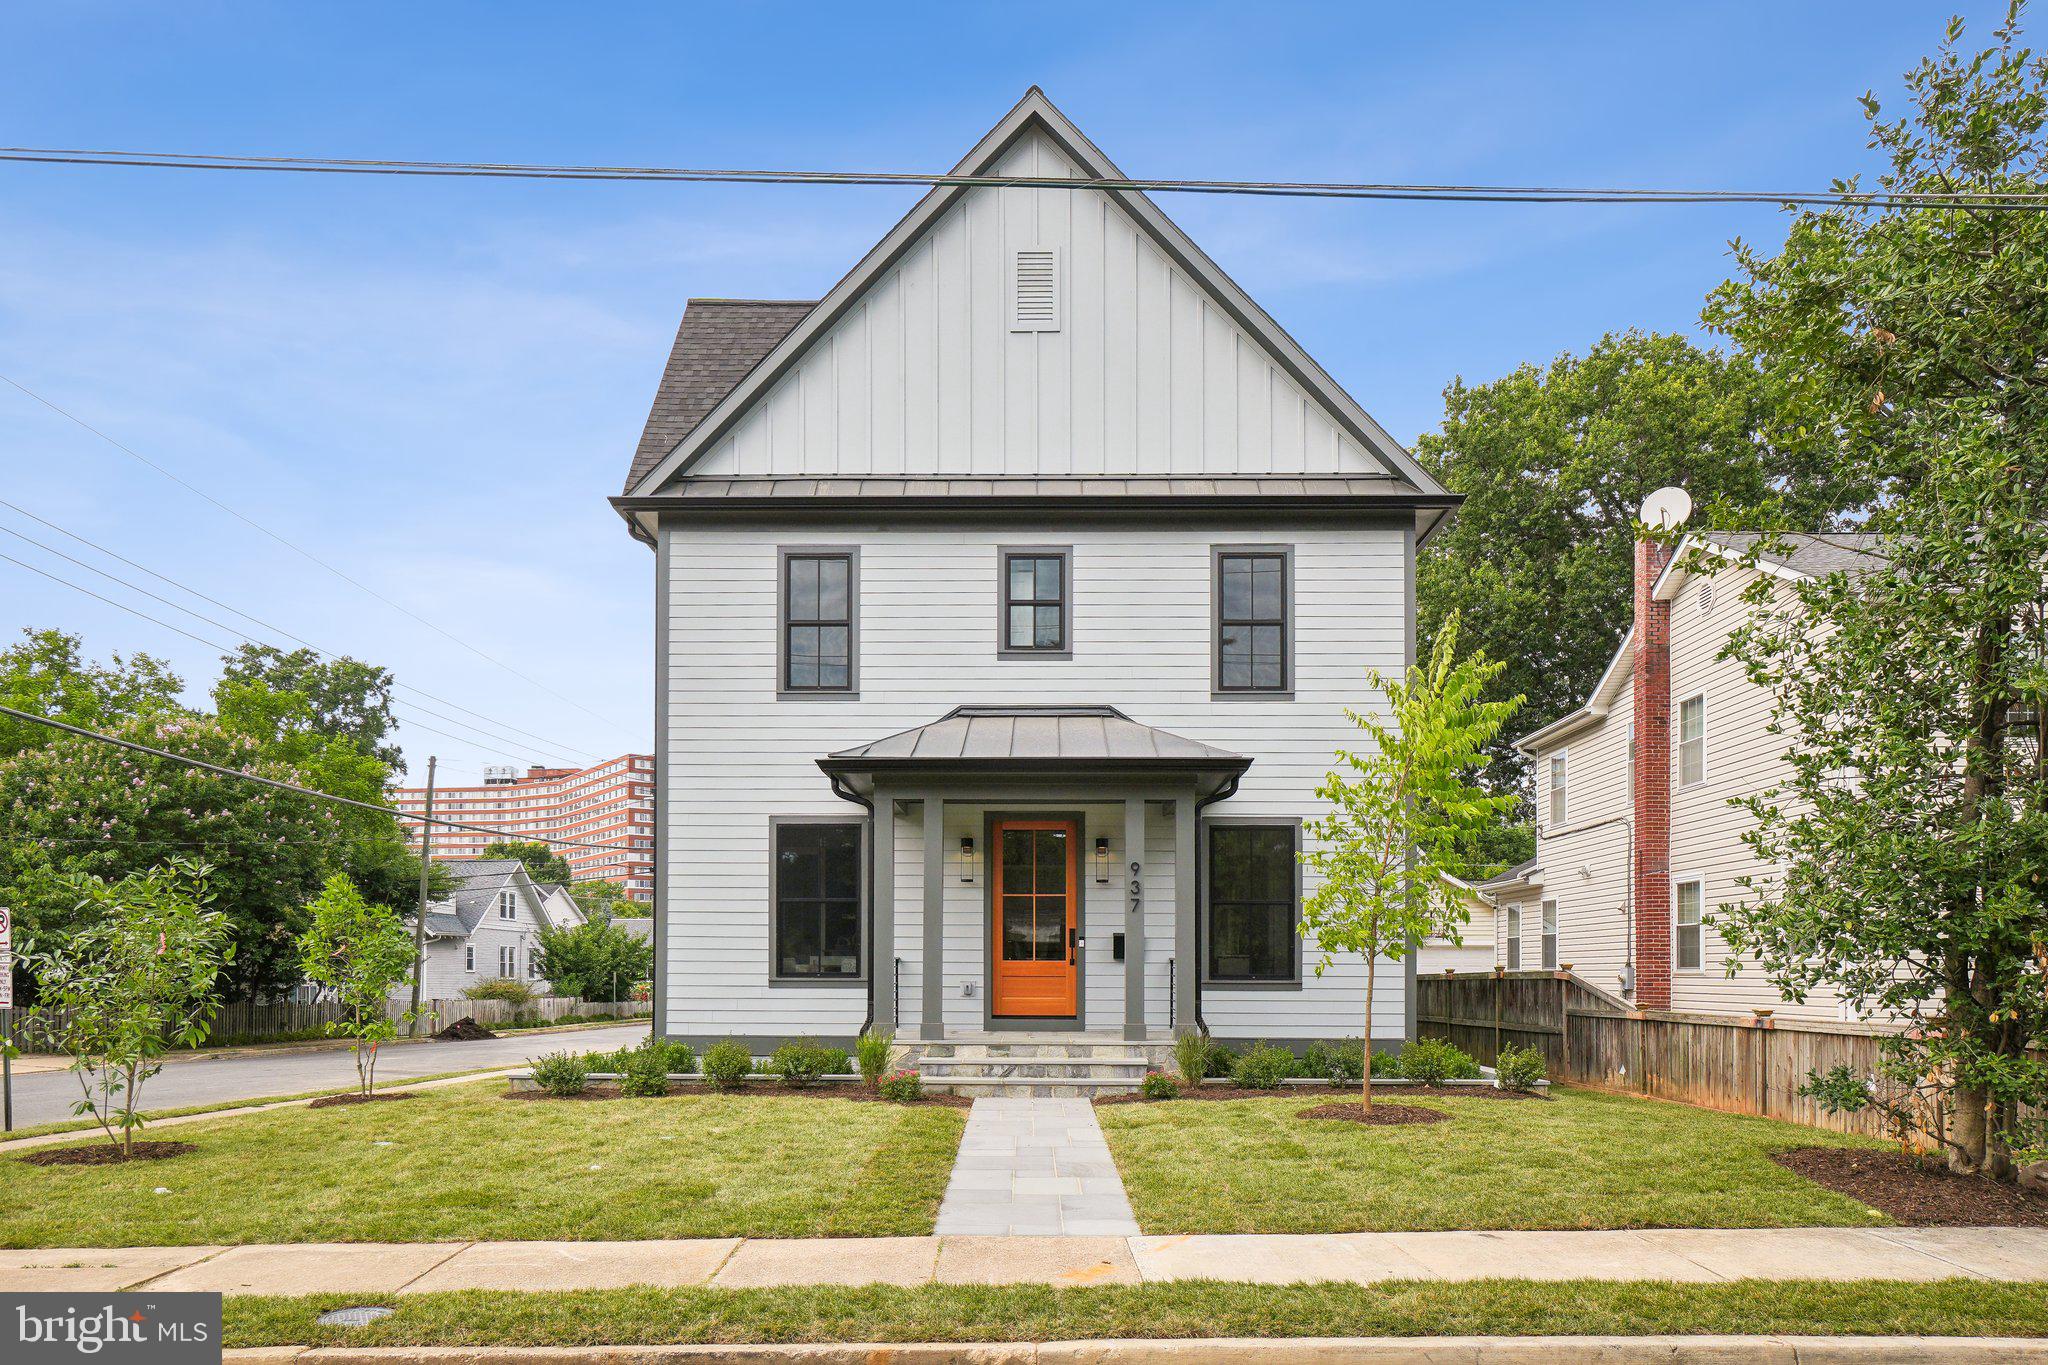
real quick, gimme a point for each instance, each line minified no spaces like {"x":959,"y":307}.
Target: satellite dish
{"x":1666,"y":508}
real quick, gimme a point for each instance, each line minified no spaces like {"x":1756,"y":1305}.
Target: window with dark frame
{"x":817,"y":901}
{"x":1034,"y":601}
{"x":1253,"y":903}
{"x":1251,"y":621}
{"x":817,"y":623}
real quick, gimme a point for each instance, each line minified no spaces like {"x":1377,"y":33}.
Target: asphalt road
{"x":48,"y":1096}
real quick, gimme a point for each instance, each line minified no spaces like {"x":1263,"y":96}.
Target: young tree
{"x":543,"y":864}
{"x":138,"y":980}
{"x":1913,"y":825}
{"x":595,"y":961}
{"x":1405,"y":815}
{"x":361,"y":951}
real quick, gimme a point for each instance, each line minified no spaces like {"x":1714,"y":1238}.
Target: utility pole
{"x":419,"y":923}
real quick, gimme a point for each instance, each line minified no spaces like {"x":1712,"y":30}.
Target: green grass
{"x":1188,"y":1309}
{"x":1580,"y":1160}
{"x":465,"y":1162}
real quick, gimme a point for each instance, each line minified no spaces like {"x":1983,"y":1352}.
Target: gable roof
{"x":477,"y":884}
{"x":718,"y":342}
{"x":1032,"y":113}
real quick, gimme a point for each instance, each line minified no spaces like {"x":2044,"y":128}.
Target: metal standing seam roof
{"x":1049,"y":735}
{"x":1035,"y":486}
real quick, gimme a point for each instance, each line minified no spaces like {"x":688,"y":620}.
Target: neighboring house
{"x":490,"y":927}
{"x":1473,"y":951}
{"x":1637,"y":844}
{"x":557,"y":907}
{"x":1008,"y":601}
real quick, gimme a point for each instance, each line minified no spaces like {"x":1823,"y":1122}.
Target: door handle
{"x":1071,"y":933}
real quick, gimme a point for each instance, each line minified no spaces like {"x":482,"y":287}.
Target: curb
{"x":1776,"y":1350}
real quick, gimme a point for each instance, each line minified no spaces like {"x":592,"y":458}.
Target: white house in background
{"x":489,"y":927}
{"x":557,"y":907}
{"x":1008,"y":601}
{"x":1473,"y":949}
{"x":1637,"y":844}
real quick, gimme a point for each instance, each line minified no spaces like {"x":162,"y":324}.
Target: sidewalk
{"x":1681,"y":1254}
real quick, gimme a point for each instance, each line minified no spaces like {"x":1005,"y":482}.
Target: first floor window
{"x":1550,"y":936}
{"x":817,"y":894}
{"x":1686,"y":946}
{"x":1514,"y":938}
{"x":532,"y":962}
{"x":1253,"y":906}
{"x":508,"y":960}
{"x":469,"y":957}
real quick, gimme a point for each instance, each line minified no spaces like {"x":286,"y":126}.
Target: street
{"x":46,"y":1097}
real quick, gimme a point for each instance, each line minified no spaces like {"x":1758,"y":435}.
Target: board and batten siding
{"x":737,"y":755}
{"x":1144,"y":375}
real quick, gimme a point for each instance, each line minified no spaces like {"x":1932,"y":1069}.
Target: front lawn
{"x":1579,"y":1160}
{"x":466,"y":1163}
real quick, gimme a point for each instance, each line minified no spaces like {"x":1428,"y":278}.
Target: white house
{"x":558,"y":908}
{"x":489,"y":927}
{"x":1008,"y":600}
{"x":1637,"y":843}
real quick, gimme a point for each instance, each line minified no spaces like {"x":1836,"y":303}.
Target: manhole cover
{"x":353,"y":1317}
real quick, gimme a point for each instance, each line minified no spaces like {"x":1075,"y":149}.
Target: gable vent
{"x":1035,"y":290}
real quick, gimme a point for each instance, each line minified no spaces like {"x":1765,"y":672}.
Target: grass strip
{"x":1189,"y":1309}
{"x":219,"y":1106}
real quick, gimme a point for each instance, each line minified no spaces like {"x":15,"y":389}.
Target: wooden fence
{"x":285,"y":1021}
{"x":1587,"y":1037}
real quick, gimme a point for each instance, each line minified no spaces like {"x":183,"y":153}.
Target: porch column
{"x":932,"y":1026}
{"x":1187,"y":947}
{"x":882,"y":908}
{"x":1134,"y":919}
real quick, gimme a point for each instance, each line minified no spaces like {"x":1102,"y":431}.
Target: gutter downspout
{"x":846,"y":793}
{"x":1222,"y":793}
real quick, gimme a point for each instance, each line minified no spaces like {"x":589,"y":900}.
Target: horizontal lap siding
{"x":737,"y":754}
{"x":1585,"y":861}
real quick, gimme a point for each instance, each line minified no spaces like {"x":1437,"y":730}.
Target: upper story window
{"x":1560,"y":787}
{"x":508,"y":904}
{"x":1254,"y":903}
{"x":1037,"y":597}
{"x":819,"y":599}
{"x":1692,"y":741}
{"x":1254,"y":627}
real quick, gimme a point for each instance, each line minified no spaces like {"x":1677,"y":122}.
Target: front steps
{"x":1075,"y":1066}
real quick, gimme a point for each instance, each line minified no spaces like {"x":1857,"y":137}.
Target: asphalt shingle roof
{"x":1817,"y":556}
{"x":718,"y":342}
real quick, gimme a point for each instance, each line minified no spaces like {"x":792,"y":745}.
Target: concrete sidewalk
{"x":1696,"y":1255}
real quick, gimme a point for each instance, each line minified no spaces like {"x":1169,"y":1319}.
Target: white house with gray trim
{"x":488,"y":927}
{"x":1008,"y":600}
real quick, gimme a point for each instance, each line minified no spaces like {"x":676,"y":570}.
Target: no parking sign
{"x":6,"y":959}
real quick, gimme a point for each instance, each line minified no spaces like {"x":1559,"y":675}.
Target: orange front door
{"x":1037,"y":913}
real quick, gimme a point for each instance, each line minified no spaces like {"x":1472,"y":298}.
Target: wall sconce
{"x":967,"y":858}
{"x":1102,"y":858}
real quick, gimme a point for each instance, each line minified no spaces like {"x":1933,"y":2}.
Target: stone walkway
{"x":1034,"y":1168}
{"x":1700,"y":1256}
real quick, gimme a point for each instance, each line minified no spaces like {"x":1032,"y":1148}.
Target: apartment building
{"x":608,"y":803}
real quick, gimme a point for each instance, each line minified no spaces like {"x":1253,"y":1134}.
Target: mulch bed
{"x":1233,"y":1092}
{"x":857,"y":1094}
{"x":334,"y":1101}
{"x":1380,"y":1115}
{"x":1920,"y":1195}
{"x":106,"y":1154}
{"x":465,"y":1030}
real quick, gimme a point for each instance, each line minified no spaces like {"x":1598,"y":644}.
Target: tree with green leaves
{"x":143,"y":976}
{"x":1554,"y":462}
{"x":596,"y":960}
{"x":543,"y":864}
{"x":361,"y":952}
{"x":1403,"y":811}
{"x":1912,"y":827}
{"x":47,"y":673}
{"x":598,"y":896}
{"x":346,"y":699}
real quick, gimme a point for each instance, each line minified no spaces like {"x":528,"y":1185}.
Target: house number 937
{"x":1137,"y":894}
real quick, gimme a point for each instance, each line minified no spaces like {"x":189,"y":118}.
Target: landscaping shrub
{"x":727,"y":1064}
{"x":901,"y":1086}
{"x":1386,"y":1066}
{"x":1263,"y":1068}
{"x":1518,"y":1068}
{"x":515,"y":993}
{"x":1432,"y":1062}
{"x":561,"y":1074}
{"x":871,"y":1050}
{"x":802,"y":1062}
{"x":677,"y":1057}
{"x":1157,"y":1085}
{"x":1336,"y":1062}
{"x":1191,"y":1055}
{"x":643,"y":1071}
{"x":1222,"y":1061}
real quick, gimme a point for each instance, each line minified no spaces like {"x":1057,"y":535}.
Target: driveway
{"x":48,"y":1096}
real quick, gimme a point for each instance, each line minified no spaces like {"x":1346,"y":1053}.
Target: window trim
{"x":1208,"y":914}
{"x":1217,"y":691}
{"x":1065,"y":554}
{"x":469,"y":958}
{"x":508,"y":953}
{"x":783,"y":554}
{"x":775,"y":978}
{"x":1546,"y":934}
{"x":1678,"y":748}
{"x":1511,"y":954}
{"x":508,"y":904}
{"x":1701,"y":883}
{"x":1553,"y":790}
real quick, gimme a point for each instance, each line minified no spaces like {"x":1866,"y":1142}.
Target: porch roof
{"x":1035,"y":739}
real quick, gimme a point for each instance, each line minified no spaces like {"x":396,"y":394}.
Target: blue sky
{"x":435,"y":384}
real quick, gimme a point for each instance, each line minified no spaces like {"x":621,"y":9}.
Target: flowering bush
{"x":903,"y":1087}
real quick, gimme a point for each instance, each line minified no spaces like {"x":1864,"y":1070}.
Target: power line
{"x":201,"y":764}
{"x":301,"y":550}
{"x":289,"y":635}
{"x":1496,"y":194}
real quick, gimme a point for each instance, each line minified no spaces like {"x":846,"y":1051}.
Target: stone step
{"x":1036,"y":1087}
{"x":1132,"y":1067}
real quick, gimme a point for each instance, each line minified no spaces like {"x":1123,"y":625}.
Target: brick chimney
{"x":1651,"y":825}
